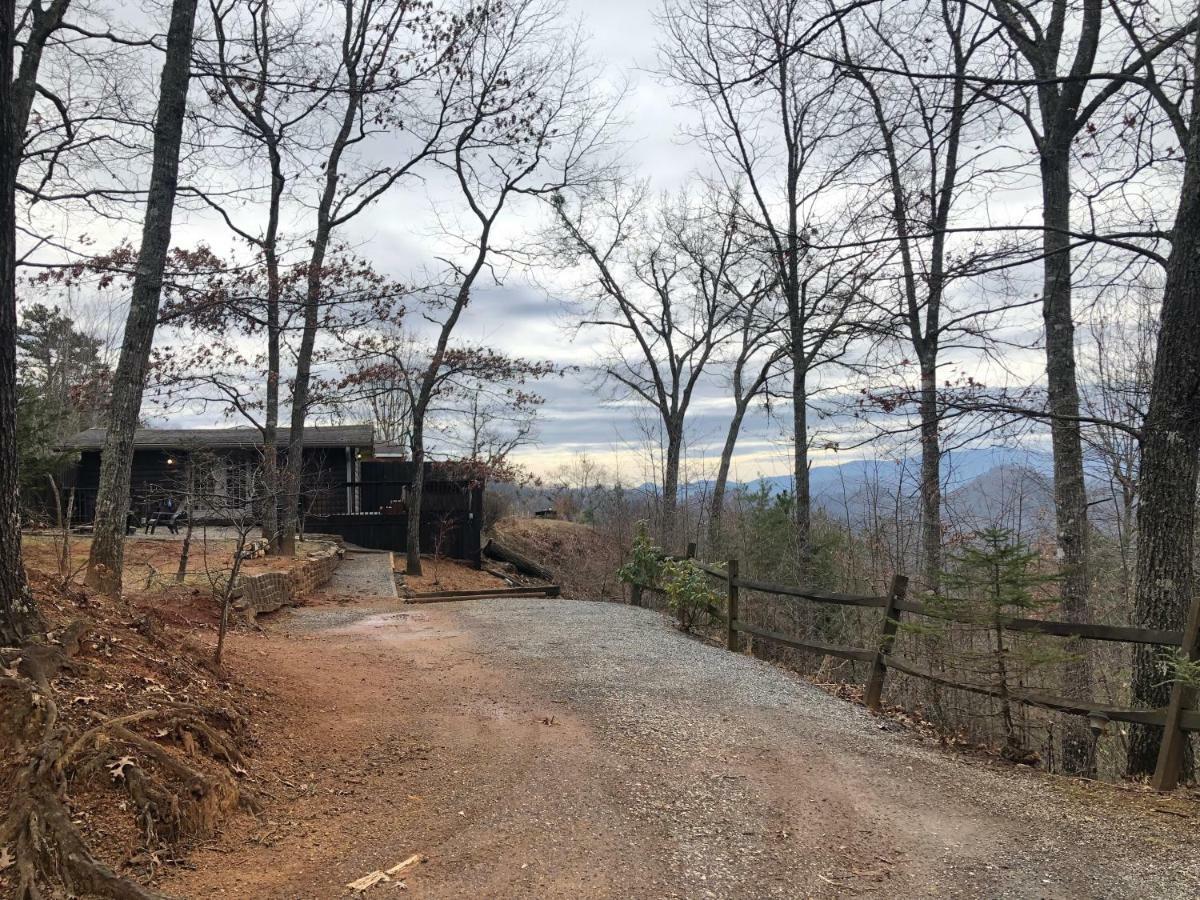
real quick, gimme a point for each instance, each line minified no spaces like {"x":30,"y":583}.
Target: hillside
{"x":582,"y":560}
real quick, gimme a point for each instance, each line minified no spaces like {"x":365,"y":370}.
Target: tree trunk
{"x":185,"y":550}
{"x":112,"y":499}
{"x":227,"y":595}
{"x":931,"y":481}
{"x":271,"y":480}
{"x":718,"y":496}
{"x":1166,"y":512}
{"x":670,"y":500}
{"x":19,"y":617}
{"x":1070,"y":496}
{"x":412,"y":561}
{"x":300,"y":388}
{"x":800,"y":477}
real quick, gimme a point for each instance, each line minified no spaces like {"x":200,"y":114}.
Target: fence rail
{"x":1176,"y":719}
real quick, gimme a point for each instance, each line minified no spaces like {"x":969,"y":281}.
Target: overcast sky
{"x":527,"y":319}
{"x":524,"y":315}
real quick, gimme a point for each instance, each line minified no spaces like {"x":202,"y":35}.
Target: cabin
{"x":345,"y":488}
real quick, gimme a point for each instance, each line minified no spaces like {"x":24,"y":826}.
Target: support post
{"x":1174,"y":739}
{"x":891,"y":618}
{"x":731,"y":607}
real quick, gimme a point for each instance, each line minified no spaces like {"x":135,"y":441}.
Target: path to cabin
{"x":552,"y":748}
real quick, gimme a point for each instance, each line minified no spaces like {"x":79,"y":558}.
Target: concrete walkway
{"x":363,"y":575}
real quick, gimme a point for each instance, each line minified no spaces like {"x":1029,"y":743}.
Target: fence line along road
{"x":1176,"y":719}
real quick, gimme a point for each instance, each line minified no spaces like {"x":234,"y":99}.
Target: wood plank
{"x":1121,"y":633}
{"x":731,"y":608}
{"x":1058,"y":704}
{"x":812,"y":646}
{"x":550,"y":590}
{"x":814,"y":595}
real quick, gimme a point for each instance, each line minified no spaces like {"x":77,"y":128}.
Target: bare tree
{"x":390,"y":58}
{"x":658,"y":280}
{"x":496,"y":422}
{"x":1118,"y":369}
{"x":18,"y":615}
{"x":756,"y":357}
{"x":267,"y":69}
{"x":770,"y":119}
{"x":1042,"y":34}
{"x":19,"y":85}
{"x":387,"y":368}
{"x":112,"y":500}
{"x":532,"y":127}
{"x":931,"y":141}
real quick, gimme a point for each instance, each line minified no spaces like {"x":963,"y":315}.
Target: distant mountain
{"x":959,"y":468}
{"x":1011,"y":487}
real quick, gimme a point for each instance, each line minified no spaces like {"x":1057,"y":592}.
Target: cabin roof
{"x":187,"y":438}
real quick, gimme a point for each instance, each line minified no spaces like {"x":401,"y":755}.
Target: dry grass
{"x":583,"y":561}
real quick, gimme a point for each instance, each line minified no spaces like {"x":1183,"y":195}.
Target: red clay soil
{"x":370,"y":763}
{"x":552,"y":748}
{"x":139,"y":656}
{"x":145,"y":556}
{"x":447,"y":575}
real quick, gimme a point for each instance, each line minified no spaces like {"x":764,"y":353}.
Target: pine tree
{"x":988,"y":583}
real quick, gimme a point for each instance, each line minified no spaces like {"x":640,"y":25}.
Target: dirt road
{"x":551,"y":748}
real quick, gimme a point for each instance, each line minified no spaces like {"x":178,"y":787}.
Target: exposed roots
{"x":174,"y":800}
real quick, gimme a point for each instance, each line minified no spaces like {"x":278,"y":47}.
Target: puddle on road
{"x":397,"y":627}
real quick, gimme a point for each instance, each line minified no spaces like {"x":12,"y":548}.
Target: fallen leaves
{"x":117,"y":768}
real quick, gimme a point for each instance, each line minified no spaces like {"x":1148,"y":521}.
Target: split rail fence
{"x":1177,"y":719}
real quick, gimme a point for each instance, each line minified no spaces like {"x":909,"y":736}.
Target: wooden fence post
{"x":874,"y":690}
{"x":1174,"y":739}
{"x":731,"y":607}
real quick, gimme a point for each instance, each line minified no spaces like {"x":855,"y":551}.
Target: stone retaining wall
{"x":270,"y":591}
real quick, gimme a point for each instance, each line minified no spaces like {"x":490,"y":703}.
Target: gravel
{"x":760,"y":784}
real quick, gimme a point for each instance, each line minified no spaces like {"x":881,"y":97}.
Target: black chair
{"x":168,"y":514}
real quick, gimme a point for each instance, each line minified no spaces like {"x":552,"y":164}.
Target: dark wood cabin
{"x":214,"y":470}
{"x":451,"y":509}
{"x":344,"y":491}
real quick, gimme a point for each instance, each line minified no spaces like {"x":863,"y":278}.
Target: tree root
{"x":174,"y":801}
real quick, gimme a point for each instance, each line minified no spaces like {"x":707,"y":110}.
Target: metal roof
{"x":185,"y":438}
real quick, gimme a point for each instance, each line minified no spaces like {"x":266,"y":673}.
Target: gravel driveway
{"x":570,"y":749}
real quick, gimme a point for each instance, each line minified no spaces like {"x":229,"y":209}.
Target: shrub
{"x":645,"y":562}
{"x":689,"y":594}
